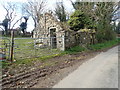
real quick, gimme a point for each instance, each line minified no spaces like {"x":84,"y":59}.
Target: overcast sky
{"x":50,"y":6}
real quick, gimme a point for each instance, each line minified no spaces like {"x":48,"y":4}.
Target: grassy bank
{"x":29,"y":61}
{"x":104,"y":45}
{"x":98,"y":46}
{"x":73,"y":50}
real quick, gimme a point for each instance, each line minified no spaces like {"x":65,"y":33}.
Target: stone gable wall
{"x":64,"y":38}
{"x":48,"y":22}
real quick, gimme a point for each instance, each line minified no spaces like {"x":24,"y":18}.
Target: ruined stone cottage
{"x":51,"y":33}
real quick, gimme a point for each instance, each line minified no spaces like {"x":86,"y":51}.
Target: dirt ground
{"x":71,"y":64}
{"x":44,"y":74}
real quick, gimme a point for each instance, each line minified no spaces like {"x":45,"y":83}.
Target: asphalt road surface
{"x":98,"y":72}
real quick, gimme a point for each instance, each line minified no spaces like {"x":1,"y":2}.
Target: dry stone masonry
{"x":52,"y":33}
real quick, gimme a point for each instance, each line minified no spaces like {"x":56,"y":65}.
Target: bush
{"x":104,"y":32}
{"x":78,"y":20}
{"x":103,"y":36}
{"x":106,"y":44}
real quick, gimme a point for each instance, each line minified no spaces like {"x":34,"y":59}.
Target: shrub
{"x":78,"y":20}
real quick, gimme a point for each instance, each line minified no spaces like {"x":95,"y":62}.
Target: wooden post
{"x":12,"y":45}
{"x":51,"y":42}
{"x":63,"y":40}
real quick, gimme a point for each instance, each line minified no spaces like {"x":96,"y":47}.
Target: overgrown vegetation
{"x":98,"y":46}
{"x":106,"y":44}
{"x":78,"y":20}
{"x":104,"y":12}
{"x":94,"y":15}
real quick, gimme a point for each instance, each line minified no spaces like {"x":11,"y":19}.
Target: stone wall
{"x":83,"y":37}
{"x":47,"y":23}
{"x":86,"y":37}
{"x":70,"y":39}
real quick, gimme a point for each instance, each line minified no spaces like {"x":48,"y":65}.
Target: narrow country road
{"x":99,"y":72}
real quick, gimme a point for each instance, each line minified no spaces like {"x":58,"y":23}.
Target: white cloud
{"x":30,"y":25}
{"x":52,"y":3}
{"x":2,"y":13}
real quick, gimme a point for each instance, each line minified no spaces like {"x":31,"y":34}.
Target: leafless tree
{"x":11,"y":16}
{"x":35,"y":8}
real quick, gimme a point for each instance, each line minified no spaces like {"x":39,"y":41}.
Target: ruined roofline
{"x":53,"y":17}
{"x":51,"y":14}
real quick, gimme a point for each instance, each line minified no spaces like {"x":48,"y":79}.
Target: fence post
{"x":63,"y":39}
{"x":51,"y":42}
{"x":34,"y":40}
{"x":12,"y":45}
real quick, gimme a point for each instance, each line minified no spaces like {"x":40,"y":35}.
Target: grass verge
{"x":30,"y":61}
{"x":95,"y":47}
{"x":104,"y":45}
{"x":72,"y":50}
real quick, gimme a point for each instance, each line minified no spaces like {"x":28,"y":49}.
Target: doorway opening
{"x":53,"y":40}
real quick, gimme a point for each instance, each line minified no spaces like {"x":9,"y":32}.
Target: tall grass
{"x":98,"y":46}
{"x":104,"y":45}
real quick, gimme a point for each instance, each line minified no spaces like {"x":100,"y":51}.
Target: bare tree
{"x":10,"y":18}
{"x":35,"y":8}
